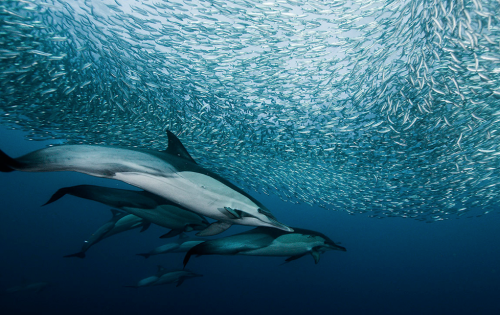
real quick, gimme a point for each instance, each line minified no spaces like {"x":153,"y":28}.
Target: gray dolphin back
{"x":113,"y":197}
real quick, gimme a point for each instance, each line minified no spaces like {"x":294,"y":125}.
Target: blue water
{"x":392,"y":265}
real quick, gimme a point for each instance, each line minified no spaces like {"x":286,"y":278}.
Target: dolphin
{"x":163,"y":276}
{"x":264,"y":241}
{"x":172,"y":174}
{"x":29,"y":287}
{"x":181,"y":245}
{"x":120,"y":222}
{"x":143,"y":204}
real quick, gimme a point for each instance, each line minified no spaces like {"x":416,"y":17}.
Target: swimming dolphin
{"x":181,"y":245}
{"x":120,"y":222}
{"x":143,"y":204}
{"x":172,"y":174}
{"x":164,"y":276}
{"x":263,"y":241}
{"x":29,"y":287}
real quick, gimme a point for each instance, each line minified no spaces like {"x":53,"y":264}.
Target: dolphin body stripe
{"x":171,"y":174}
{"x":264,"y":241}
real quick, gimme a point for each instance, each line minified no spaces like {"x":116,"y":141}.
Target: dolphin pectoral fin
{"x":172,"y":233}
{"x":145,"y":255}
{"x":231,"y":213}
{"x":188,"y":228}
{"x":180,"y":281}
{"x":315,"y":255}
{"x":292,"y":258}
{"x":79,"y":255}
{"x":215,"y":228}
{"x":145,"y":226}
{"x":8,"y":164}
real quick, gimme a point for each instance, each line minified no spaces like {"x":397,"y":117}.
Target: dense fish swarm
{"x":385,"y":107}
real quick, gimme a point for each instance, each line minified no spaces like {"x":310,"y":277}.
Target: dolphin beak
{"x":334,"y":246}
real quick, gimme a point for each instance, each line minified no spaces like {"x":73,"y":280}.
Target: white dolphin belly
{"x":197,"y":192}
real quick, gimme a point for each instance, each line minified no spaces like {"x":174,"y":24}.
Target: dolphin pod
{"x":142,"y":204}
{"x":164,"y":276}
{"x":177,"y":194}
{"x":120,"y":222}
{"x":171,"y":174}
{"x":263,"y":241}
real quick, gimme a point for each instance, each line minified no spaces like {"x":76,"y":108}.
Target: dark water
{"x":392,"y":265}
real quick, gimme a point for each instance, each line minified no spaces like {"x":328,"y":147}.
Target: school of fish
{"x":382,"y":107}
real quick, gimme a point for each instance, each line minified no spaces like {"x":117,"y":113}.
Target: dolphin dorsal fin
{"x":176,"y":148}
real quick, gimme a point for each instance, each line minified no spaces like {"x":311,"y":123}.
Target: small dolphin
{"x":172,"y":174}
{"x":120,"y":222}
{"x":143,"y":204}
{"x":164,"y":276}
{"x":181,"y":245}
{"x":30,"y":287}
{"x":263,"y":241}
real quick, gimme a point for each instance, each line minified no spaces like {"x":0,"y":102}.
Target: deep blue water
{"x":392,"y":265}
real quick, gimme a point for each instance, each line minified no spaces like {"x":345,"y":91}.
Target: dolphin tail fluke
{"x":58,"y":195}
{"x":79,"y":255}
{"x":8,"y":164}
{"x":145,"y":255}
